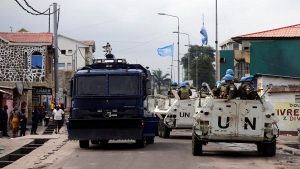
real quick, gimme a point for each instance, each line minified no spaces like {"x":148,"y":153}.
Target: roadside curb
{"x":286,"y":143}
{"x":44,"y":155}
{"x":288,"y":149}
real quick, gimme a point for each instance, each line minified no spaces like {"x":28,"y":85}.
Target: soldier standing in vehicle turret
{"x":246,"y":90}
{"x":204,"y":92}
{"x":231,"y":90}
{"x":184,"y":92}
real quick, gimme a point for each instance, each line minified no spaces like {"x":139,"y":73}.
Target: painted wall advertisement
{"x":289,"y":116}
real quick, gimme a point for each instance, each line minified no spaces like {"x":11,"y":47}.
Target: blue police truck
{"x":110,"y":102}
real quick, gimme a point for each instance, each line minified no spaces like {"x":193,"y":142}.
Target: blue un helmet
{"x":228,"y":77}
{"x":182,"y":84}
{"x":187,"y":83}
{"x":218,"y":83}
{"x":222,"y":82}
{"x":243,"y":79}
{"x":174,"y":84}
{"x":249,"y":78}
{"x":229,"y":72}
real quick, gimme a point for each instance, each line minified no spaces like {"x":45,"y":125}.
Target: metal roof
{"x":292,"y":31}
{"x":26,"y":37}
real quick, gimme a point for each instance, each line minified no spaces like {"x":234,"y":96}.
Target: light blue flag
{"x":166,"y":51}
{"x":204,"y":38}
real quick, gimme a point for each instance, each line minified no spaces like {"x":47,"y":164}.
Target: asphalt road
{"x":172,"y":153}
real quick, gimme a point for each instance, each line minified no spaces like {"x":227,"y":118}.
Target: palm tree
{"x":160,"y":79}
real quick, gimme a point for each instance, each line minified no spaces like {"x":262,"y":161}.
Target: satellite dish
{"x":20,"y":87}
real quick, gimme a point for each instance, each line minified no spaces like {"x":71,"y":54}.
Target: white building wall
{"x":287,"y":110}
{"x":72,"y":56}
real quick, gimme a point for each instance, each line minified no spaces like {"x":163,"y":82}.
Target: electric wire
{"x":37,"y":12}
{"x":41,"y":13}
{"x":26,"y":9}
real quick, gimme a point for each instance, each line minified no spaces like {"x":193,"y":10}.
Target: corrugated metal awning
{"x":3,"y":91}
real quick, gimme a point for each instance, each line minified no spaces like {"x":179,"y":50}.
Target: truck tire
{"x":104,"y":142}
{"x":84,"y":143}
{"x":164,"y":131}
{"x":95,"y":141}
{"x":150,"y":140}
{"x":196,"y":145}
{"x":140,"y":143}
{"x":269,"y":149}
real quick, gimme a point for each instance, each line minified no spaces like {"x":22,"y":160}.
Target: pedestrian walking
{"x":4,"y":121}
{"x":35,"y":120}
{"x":23,"y":123}
{"x":15,"y":121}
{"x":58,"y":117}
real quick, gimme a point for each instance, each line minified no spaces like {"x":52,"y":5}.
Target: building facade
{"x":73,"y":55}
{"x":26,"y":70}
{"x":272,"y":55}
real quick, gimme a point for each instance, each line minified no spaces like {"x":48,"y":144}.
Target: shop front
{"x":41,"y":98}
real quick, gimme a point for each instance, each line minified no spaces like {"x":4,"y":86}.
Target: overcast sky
{"x":135,"y":30}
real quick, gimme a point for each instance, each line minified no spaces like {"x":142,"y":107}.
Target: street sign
{"x":41,"y":91}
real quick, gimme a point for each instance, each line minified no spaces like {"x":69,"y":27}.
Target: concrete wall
{"x":287,"y":109}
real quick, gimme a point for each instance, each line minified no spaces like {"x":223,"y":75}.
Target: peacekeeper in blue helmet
{"x":246,"y":90}
{"x":204,"y":92}
{"x":231,"y":72}
{"x":226,"y":90}
{"x":217,"y":89}
{"x":184,"y":91}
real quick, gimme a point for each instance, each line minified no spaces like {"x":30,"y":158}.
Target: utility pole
{"x":217,"y":52}
{"x":197,"y":73}
{"x":49,"y":20}
{"x":178,"y":50}
{"x":55,"y":52}
{"x":177,"y":41}
{"x":189,"y":59}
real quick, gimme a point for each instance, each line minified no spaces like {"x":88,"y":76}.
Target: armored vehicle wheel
{"x":150,"y":140}
{"x":159,"y":131}
{"x":84,"y":143}
{"x":196,"y":145}
{"x":269,"y":149}
{"x":164,"y":131}
{"x":104,"y":142}
{"x":259,"y":147}
{"x":140,"y":143}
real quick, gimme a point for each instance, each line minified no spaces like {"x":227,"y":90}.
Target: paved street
{"x":173,"y":153}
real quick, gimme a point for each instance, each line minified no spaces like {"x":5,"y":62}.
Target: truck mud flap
{"x":109,"y":129}
{"x":150,"y":126}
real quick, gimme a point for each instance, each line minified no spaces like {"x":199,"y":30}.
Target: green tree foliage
{"x":160,"y":79}
{"x":204,"y":56}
